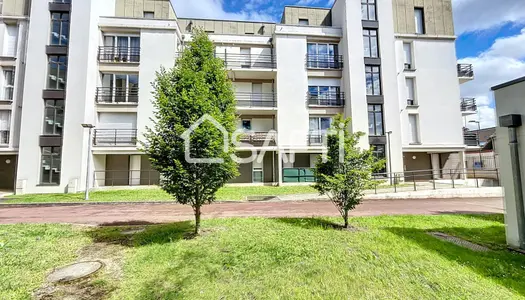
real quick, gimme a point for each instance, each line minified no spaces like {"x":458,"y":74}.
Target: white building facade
{"x":388,"y":65}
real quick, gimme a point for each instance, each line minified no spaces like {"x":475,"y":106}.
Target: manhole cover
{"x":133,"y":231}
{"x":74,"y":271}
{"x":459,"y":242}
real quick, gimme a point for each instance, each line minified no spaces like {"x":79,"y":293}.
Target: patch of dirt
{"x":95,"y":287}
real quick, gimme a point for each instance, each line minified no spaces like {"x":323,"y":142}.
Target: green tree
{"x":347,"y":170}
{"x":198,"y":85}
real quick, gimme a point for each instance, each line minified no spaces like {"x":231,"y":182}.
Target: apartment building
{"x":390,"y":65}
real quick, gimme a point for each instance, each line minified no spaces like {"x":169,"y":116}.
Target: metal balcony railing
{"x":326,"y":99}
{"x":259,"y":138}
{"x":4,"y":137}
{"x":256,"y":99}
{"x":468,"y":104}
{"x":117,"y":95}
{"x":298,"y":175}
{"x":115,"y":137}
{"x":247,"y":61}
{"x":316,"y":139}
{"x":471,"y":139}
{"x":117,"y":54}
{"x":322,"y":61}
{"x":465,"y":70}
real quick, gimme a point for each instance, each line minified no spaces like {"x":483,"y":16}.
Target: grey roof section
{"x":508,"y":83}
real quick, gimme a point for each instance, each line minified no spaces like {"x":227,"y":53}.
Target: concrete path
{"x":159,"y":213}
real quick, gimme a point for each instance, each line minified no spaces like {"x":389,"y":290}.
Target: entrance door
{"x":7,"y":172}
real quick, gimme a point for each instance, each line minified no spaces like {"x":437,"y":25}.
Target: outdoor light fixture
{"x":7,"y":161}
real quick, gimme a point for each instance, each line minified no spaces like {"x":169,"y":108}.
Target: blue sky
{"x":491,"y":36}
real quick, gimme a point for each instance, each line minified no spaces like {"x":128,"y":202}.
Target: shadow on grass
{"x":145,"y":235}
{"x":500,"y":266}
{"x":312,"y":223}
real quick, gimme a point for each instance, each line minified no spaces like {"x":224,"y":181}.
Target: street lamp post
{"x":88,"y":167}
{"x":479,"y":142}
{"x":389,"y":156}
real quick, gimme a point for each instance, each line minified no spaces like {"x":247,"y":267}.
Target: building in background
{"x":389,"y":65}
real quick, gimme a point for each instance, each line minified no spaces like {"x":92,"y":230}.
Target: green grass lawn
{"x":156,"y":194}
{"x":383,"y":258}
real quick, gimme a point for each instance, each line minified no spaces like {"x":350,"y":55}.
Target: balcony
{"x":117,"y":95}
{"x":259,"y":138}
{"x":247,"y":61}
{"x":468,"y":106}
{"x":465,"y":72}
{"x":330,"y":99}
{"x":471,"y":139}
{"x":321,"y":61}
{"x":316,"y":139}
{"x":115,"y":137}
{"x":256,"y":100}
{"x":110,"y":54}
{"x":4,"y":138}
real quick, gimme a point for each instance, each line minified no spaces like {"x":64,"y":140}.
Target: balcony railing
{"x":465,"y":70}
{"x":115,"y":137}
{"x":471,"y":139}
{"x":4,"y":137}
{"x":468,"y":104}
{"x":321,"y":61}
{"x":259,"y":138}
{"x":117,"y":54}
{"x":298,"y":175}
{"x":256,"y":99}
{"x":316,"y":139}
{"x":326,"y":99}
{"x":247,"y":61}
{"x":117,"y":95}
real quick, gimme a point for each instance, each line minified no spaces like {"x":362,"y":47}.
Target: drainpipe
{"x":513,"y":122}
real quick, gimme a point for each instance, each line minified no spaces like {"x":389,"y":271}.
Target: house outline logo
{"x":187,"y":141}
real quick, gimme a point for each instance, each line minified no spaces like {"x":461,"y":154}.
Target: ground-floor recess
{"x":8,"y":163}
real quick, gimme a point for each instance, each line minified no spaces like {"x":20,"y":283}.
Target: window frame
{"x":56,"y":109}
{"x":148,"y":12}
{"x":414,"y":93}
{"x":373,"y":113}
{"x":366,"y":5}
{"x":422,"y":21}
{"x":52,"y":157}
{"x":371,"y":74}
{"x":130,"y":94}
{"x":63,"y":27}
{"x":380,"y":155}
{"x":305,"y":22}
{"x":5,"y":133}
{"x":368,"y":39}
{"x":319,"y":123}
{"x":61,"y":64}
{"x":411,"y":63}
{"x":8,"y":85}
{"x":414,"y":140}
{"x":322,"y":60}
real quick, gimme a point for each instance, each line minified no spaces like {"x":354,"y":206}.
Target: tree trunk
{"x":197,"y":211}
{"x":345,"y":216}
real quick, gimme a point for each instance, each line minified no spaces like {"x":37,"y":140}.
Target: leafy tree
{"x":196,"y":86}
{"x":347,"y":170}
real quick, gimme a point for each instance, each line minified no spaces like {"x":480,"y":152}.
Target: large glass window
{"x":59,"y":28}
{"x":368,"y":10}
{"x":5,"y":125}
{"x":57,"y":73}
{"x":9,"y":84}
{"x":120,"y":87}
{"x":320,"y":124}
{"x":324,"y":95}
{"x":122,"y":48}
{"x":373,"y":80}
{"x":51,"y":164}
{"x":411,"y":95}
{"x":407,"y":49}
{"x":53,"y":117}
{"x":370,"y":43}
{"x":322,"y":56}
{"x":420,"y":20}
{"x":379,"y":152}
{"x":413,"y":125}
{"x":375,"y":120}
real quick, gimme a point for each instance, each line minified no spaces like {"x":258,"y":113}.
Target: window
{"x":324,"y":95}
{"x":53,"y":117}
{"x":119,"y":88}
{"x":370,"y":43}
{"x":121,"y":48}
{"x":51,"y":157}
{"x":10,"y":40}
{"x":5,"y":125}
{"x":407,"y":49}
{"x":373,"y":81}
{"x":59,"y":28}
{"x":320,"y":124}
{"x":246,"y":57}
{"x":414,"y":128}
{"x":368,"y":10}
{"x":304,"y":22}
{"x":420,"y":20}
{"x":375,"y":120}
{"x":9,"y":84}
{"x":258,"y":175}
{"x":411,"y":96}
{"x":149,"y":15}
{"x":379,"y":152}
{"x":323,"y":56}
{"x":57,"y":73}
{"x":247,"y":124}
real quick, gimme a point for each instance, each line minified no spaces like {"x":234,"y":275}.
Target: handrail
{"x":115,"y":137}
{"x":119,"y":54}
{"x":246,"y":99}
{"x":465,"y":70}
{"x":468,"y":104}
{"x":326,"y":99}
{"x":324,"y":61}
{"x":117,"y":95}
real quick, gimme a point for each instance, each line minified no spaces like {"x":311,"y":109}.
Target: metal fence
{"x":465,"y":70}
{"x":117,"y":54}
{"x":117,"y":95}
{"x":326,"y":99}
{"x":247,"y":61}
{"x":114,"y":137}
{"x":255,"y":99}
{"x":324,"y":61}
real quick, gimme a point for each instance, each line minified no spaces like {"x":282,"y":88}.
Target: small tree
{"x":198,"y":85}
{"x":347,"y":170}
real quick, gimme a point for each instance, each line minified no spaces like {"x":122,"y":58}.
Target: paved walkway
{"x":158,"y":213}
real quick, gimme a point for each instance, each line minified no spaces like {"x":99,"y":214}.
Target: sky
{"x":491,"y":36}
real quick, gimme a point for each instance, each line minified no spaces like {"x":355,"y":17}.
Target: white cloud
{"x":477,"y":15}
{"x":503,"y":61}
{"x":214,"y":9}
